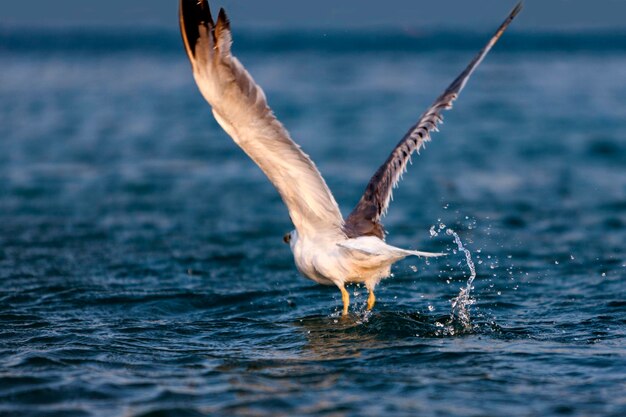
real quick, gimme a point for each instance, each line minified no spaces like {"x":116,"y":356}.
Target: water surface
{"x":141,"y":258}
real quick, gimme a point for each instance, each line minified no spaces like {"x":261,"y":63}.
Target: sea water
{"x":142,"y":267}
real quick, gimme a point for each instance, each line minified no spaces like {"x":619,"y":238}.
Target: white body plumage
{"x":331,"y":259}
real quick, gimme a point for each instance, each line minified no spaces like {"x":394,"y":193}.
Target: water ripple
{"x":143,"y":271}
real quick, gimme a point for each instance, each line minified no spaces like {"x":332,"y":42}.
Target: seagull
{"x":327,"y":248}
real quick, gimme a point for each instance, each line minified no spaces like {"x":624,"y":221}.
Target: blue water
{"x":142,"y":267}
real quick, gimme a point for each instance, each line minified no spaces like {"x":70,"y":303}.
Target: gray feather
{"x":365,"y":218}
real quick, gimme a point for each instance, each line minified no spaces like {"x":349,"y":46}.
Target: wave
{"x":102,"y":41}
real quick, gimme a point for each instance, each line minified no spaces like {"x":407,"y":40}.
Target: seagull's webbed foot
{"x":371,"y":300}
{"x":345,"y":297}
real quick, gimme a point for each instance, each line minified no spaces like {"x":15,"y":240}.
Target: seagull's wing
{"x":240,"y":107}
{"x":365,"y":218}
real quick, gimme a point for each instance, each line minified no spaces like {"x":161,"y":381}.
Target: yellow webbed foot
{"x":371,"y":300}
{"x":345,"y":297}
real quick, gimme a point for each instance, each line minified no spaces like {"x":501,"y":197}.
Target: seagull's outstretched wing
{"x":240,"y":107}
{"x":365,"y":218}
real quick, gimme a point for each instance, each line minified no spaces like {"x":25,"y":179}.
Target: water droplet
{"x":460,"y":304}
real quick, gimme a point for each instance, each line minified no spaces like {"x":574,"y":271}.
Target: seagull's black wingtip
{"x":222,"y":19}
{"x":205,"y":11}
{"x":194,"y":14}
{"x":518,"y":8}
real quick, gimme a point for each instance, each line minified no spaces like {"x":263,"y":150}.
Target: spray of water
{"x":459,"y":314}
{"x":462,"y":302}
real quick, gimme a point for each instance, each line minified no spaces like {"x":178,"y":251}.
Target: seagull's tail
{"x":376,"y":248}
{"x":425,"y":254}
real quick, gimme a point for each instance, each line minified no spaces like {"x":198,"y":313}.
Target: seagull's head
{"x":291,"y":238}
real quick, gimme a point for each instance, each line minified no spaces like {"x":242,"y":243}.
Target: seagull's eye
{"x":287,"y":238}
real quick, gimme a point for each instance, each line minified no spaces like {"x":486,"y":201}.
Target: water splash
{"x":460,"y":313}
{"x":461,"y":303}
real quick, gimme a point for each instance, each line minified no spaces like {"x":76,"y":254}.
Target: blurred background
{"x":142,"y":267}
{"x":454,"y":14}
